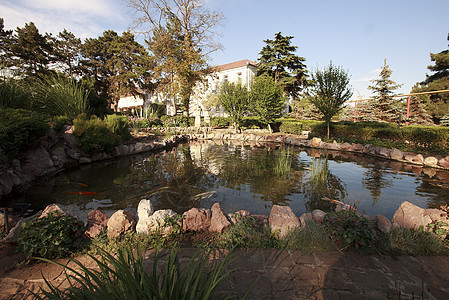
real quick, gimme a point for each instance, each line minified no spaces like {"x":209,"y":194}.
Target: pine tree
{"x":383,"y":89}
{"x":279,"y":61}
{"x":418,"y":114}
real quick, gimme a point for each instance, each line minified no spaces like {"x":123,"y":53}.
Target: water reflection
{"x":244,"y":176}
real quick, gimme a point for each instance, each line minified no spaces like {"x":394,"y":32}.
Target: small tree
{"x":234,"y":98}
{"x":267,"y":100}
{"x":329,"y":91}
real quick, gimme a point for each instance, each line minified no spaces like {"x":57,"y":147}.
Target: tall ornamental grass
{"x":13,"y":94}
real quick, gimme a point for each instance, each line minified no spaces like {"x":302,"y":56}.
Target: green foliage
{"x":283,"y":163}
{"x":53,"y":236}
{"x":329,"y":91}
{"x":125,"y":274}
{"x":417,"y":242}
{"x":267,"y":100}
{"x":307,"y":239}
{"x":176,"y":121}
{"x":234,"y":98}
{"x":119,"y":125}
{"x":20,"y":129}
{"x":444,"y":121}
{"x":349,"y":229}
{"x":245,"y":234}
{"x":220,"y":122}
{"x":60,"y":96}
{"x":13,"y":94}
{"x":279,"y":61}
{"x":59,"y":121}
{"x":94,"y":135}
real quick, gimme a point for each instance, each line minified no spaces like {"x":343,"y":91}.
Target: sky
{"x":355,"y":34}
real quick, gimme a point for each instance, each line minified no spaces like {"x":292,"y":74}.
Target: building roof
{"x":237,"y":64}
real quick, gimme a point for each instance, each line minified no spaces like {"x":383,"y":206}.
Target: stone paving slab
{"x":284,"y":274}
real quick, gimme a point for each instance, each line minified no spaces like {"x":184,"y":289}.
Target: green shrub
{"x":221,"y":122}
{"x":177,"y":121}
{"x":349,"y":229}
{"x":94,"y":135}
{"x":313,"y":237}
{"x":13,"y":94}
{"x":60,"y":121}
{"x":53,"y":236}
{"x":119,"y":125}
{"x":252,"y":122}
{"x":19,"y":130}
{"x":125,"y":276}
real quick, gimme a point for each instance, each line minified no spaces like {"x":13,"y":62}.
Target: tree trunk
{"x":328,"y":129}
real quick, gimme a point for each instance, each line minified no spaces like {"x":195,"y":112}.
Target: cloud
{"x":85,"y":18}
{"x":368,"y":76}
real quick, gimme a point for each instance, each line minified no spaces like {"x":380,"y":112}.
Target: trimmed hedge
{"x":19,"y":130}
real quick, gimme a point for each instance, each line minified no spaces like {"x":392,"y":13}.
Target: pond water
{"x":251,"y":177}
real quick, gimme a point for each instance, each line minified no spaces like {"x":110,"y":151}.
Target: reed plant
{"x":124,"y":276}
{"x":13,"y":94}
{"x":283,"y":163}
{"x":319,"y":171}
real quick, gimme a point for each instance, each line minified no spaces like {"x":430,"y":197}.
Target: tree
{"x":181,"y":34}
{"x":437,"y":105}
{"x":5,"y":41}
{"x":329,"y":91}
{"x":67,"y":50}
{"x":234,"y":98}
{"x":267,"y":99}
{"x":279,"y":61}
{"x":383,"y":89}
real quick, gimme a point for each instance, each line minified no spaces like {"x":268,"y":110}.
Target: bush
{"x":53,"y":236}
{"x":13,"y":94}
{"x":119,"y":126}
{"x":94,"y":135}
{"x":60,"y":121}
{"x":177,"y":121}
{"x":19,"y":130}
{"x":221,"y":122}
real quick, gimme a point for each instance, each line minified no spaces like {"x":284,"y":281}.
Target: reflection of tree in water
{"x":437,"y":191}
{"x":322,"y":183}
{"x":257,"y":171}
{"x":374,"y":180}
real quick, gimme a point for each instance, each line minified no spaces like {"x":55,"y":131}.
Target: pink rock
{"x":97,"y":221}
{"x":444,"y":162}
{"x":436,"y":214}
{"x":419,"y":159}
{"x":315,"y":142}
{"x":318,"y":215}
{"x":196,"y":219}
{"x":409,"y":157}
{"x":409,"y":215}
{"x":52,"y":208}
{"x":238,"y":216}
{"x":282,"y":220}
{"x":120,"y":223}
{"x":346,"y":147}
{"x":367,"y":148}
{"x":304,"y":218}
{"x":384,"y":152}
{"x":357,"y":147}
{"x":261,"y":220}
{"x":396,"y":154}
{"x":383,"y":224}
{"x":218,"y":221}
{"x":430,"y":161}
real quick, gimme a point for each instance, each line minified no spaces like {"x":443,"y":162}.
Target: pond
{"x":252,"y":177}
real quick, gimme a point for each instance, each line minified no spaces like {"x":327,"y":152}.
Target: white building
{"x":243,"y":71}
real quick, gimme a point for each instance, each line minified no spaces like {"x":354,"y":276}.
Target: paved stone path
{"x":283,"y":274}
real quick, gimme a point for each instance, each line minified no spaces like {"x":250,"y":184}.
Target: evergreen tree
{"x":67,"y":52}
{"x":418,"y":114}
{"x":305,"y":110}
{"x":267,"y":99}
{"x":5,"y":41}
{"x":329,"y":91}
{"x":278,"y":60}
{"x":383,"y":88}
{"x":437,"y":105}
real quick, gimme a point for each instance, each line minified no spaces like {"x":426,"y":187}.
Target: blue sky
{"x":355,"y":34}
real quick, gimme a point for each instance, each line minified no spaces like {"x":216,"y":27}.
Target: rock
{"x":144,"y":209}
{"x":238,"y":216}
{"x":419,"y":159}
{"x":382,"y":223}
{"x":346,"y":147}
{"x":116,"y":151}
{"x":318,"y":215}
{"x":409,"y":215}
{"x":120,"y":223}
{"x":367,"y":148}
{"x":11,"y":221}
{"x":36,"y":161}
{"x":304,"y":218}
{"x":140,"y":147}
{"x":196,"y":219}
{"x":69,"y":138}
{"x":261,"y":220}
{"x":218,"y":221}
{"x":409,"y":157}
{"x":429,"y":172}
{"x":396,"y":154}
{"x":13,"y":235}
{"x":444,"y":162}
{"x":156,"y":222}
{"x":430,"y":161}
{"x":84,"y":160}
{"x":315,"y":142}
{"x":123,"y":149}
{"x":282,"y":220}
{"x":97,"y":221}
{"x":57,"y":208}
{"x":384,"y":152}
{"x":436,"y":215}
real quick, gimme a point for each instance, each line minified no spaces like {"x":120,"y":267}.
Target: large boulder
{"x":218,"y":221}
{"x":156,"y":222}
{"x":196,"y":219}
{"x":444,"y":162}
{"x":53,"y":208}
{"x":36,"y":161}
{"x":120,"y":223}
{"x":97,"y":221}
{"x":282,"y":220}
{"x":430,"y":161}
{"x":396,"y":154}
{"x":409,"y":215}
{"x":315,"y":142}
{"x":144,"y":209}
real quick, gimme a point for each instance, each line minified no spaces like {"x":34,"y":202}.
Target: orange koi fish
{"x":82,"y":193}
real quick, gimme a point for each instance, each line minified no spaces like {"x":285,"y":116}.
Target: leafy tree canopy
{"x":234,"y":98}
{"x":279,"y":61}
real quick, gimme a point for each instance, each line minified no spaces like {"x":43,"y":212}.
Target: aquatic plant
{"x":283,"y":163}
